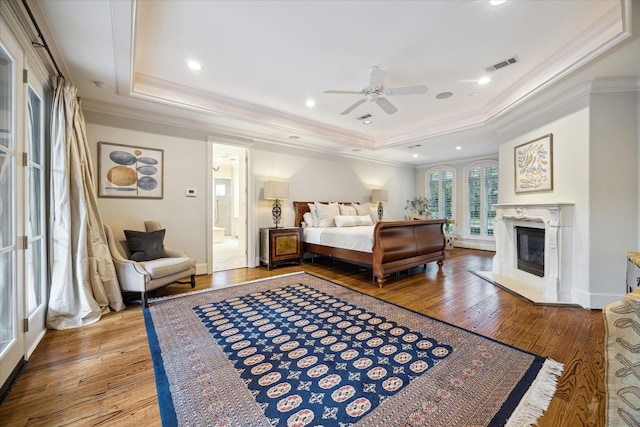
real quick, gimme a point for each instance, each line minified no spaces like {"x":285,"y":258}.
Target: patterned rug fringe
{"x":201,"y":291}
{"x":538,"y":397}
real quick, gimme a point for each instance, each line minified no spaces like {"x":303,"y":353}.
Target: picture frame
{"x":128,"y":171}
{"x":533,"y":165}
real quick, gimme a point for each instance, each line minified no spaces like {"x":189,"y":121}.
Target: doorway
{"x":229,"y":210}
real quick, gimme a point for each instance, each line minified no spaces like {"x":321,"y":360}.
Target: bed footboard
{"x":400,"y":245}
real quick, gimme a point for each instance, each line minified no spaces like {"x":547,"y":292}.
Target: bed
{"x":395,"y":245}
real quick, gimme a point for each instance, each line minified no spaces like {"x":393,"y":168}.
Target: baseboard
{"x":201,"y":269}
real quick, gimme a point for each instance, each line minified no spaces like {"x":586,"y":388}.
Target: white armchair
{"x":145,"y":276}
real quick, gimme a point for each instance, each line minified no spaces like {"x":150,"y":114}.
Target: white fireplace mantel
{"x":557,"y":221}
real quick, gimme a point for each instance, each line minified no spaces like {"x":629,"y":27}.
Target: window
{"x":440,"y":187}
{"x":482,"y":192}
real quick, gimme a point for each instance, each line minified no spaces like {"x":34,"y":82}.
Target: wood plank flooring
{"x":102,"y":374}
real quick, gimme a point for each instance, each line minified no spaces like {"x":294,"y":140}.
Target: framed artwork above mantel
{"x":533,"y":165}
{"x":127,"y":171}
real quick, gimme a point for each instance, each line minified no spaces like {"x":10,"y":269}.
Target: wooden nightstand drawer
{"x":280,"y":246}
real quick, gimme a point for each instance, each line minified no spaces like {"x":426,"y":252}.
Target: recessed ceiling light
{"x":100,"y":84}
{"x":194,"y":65}
{"x":310,"y":103}
{"x":356,"y":150}
{"x":484,"y":80}
{"x":415,"y":156}
{"x":458,"y":148}
{"x":294,"y":137}
{"x":444,"y":95}
{"x":473,"y":94}
{"x":367,"y":122}
{"x":497,"y":2}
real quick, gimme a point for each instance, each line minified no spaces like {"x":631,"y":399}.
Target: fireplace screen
{"x":530,"y":244}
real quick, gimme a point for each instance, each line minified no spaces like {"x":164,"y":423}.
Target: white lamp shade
{"x":276,"y":190}
{"x":379,"y":195}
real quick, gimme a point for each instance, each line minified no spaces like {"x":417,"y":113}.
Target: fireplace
{"x":530,"y":250}
{"x":534,"y":247}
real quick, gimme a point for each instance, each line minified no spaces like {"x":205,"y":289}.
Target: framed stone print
{"x":130,"y":172}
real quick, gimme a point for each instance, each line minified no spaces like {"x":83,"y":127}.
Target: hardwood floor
{"x":102,"y":374}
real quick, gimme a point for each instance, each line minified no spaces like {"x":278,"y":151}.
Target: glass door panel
{"x":34,"y":216}
{"x":7,"y":204}
{"x":11,"y":337}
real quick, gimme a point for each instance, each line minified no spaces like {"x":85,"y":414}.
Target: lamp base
{"x":380,"y":211}
{"x":276,"y":212}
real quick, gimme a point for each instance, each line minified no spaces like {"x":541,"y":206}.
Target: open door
{"x":229,"y":207}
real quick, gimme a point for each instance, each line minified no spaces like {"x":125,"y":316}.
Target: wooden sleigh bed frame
{"x":397,"y":245}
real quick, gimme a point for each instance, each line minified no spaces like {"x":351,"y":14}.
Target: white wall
{"x":570,"y":181}
{"x":613,"y":190}
{"x":311,"y":176}
{"x":595,"y":160}
{"x":185,"y":167}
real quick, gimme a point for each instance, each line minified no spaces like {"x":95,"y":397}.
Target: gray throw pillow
{"x":145,"y":246}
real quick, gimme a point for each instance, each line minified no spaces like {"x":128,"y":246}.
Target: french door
{"x":23,"y":273}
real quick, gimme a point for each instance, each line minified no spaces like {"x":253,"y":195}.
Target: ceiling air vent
{"x":365,"y":117}
{"x":503,"y":64}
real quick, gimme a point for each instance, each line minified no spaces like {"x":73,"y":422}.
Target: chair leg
{"x":193,"y":281}
{"x":143,"y":299}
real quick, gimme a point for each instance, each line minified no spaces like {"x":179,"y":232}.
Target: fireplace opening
{"x":530,"y":250}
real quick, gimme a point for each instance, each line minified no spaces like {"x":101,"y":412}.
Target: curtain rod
{"x":41,"y":37}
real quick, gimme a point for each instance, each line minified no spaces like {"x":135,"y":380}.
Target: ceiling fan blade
{"x":407,"y":90}
{"x":377,"y":77}
{"x":386,"y":105}
{"x":353,"y":107}
{"x":348,"y":92}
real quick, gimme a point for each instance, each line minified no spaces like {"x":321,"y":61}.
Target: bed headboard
{"x":301,"y":208}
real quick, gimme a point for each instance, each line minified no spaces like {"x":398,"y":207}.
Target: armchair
{"x":145,"y":276}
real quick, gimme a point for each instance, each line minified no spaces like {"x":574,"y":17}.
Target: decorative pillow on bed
{"x":348,"y":210}
{"x":326,"y":212}
{"x":308,"y":219}
{"x":145,"y":246}
{"x":364,"y":210}
{"x":314,"y":215}
{"x":352,"y":220}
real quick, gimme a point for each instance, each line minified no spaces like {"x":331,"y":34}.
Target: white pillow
{"x":326,"y":213}
{"x":365,"y":210}
{"x":314,"y":216}
{"x":308,"y":219}
{"x":348,"y":210}
{"x":352,"y":220}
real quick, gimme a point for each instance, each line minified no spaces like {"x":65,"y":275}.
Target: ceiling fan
{"x":376,"y":89}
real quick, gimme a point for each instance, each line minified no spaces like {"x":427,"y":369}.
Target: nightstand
{"x":280,"y":246}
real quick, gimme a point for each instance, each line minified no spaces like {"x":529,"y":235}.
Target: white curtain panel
{"x":84,"y":284}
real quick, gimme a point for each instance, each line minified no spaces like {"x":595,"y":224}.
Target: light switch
{"x":191,"y":192}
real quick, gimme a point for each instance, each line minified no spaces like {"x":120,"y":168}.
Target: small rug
{"x":297,"y":350}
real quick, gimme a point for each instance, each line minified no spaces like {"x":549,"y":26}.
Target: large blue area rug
{"x":297,"y":350}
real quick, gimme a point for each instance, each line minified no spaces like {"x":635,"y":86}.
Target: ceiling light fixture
{"x":458,"y":148}
{"x":444,"y":95}
{"x":194,"y":65}
{"x":310,"y":103}
{"x":367,"y":122}
{"x":294,"y":137}
{"x":415,"y":156}
{"x":100,"y":84}
{"x":497,"y":2}
{"x":484,"y":80}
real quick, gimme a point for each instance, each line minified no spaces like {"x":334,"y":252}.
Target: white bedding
{"x":354,"y":238}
